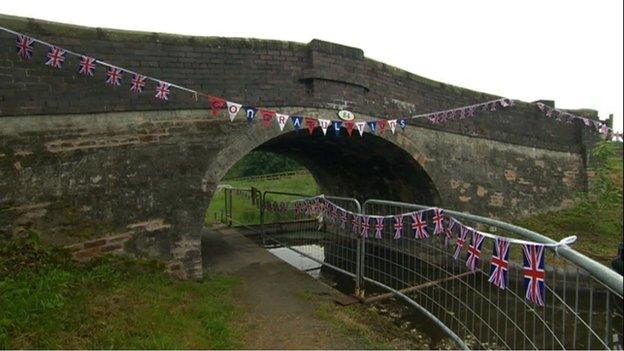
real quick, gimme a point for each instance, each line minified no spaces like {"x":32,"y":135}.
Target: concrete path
{"x":276,"y":316}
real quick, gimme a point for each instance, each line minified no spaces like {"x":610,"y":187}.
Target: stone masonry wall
{"x":100,"y":169}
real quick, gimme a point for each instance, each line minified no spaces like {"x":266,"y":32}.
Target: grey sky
{"x":568,"y":51}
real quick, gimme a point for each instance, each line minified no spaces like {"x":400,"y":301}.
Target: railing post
{"x":360,"y":263}
{"x":226,"y":206}
{"x":262,"y":198}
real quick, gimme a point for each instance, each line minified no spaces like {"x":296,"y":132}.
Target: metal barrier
{"x":583,"y":307}
{"x":246,"y":201}
{"x":308,"y":236}
{"x":582,"y":298}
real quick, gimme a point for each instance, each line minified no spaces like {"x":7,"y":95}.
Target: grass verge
{"x":244,"y":211}
{"x":48,"y":301}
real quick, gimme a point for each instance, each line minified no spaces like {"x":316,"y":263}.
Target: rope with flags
{"x":451,"y":228}
{"x":87,"y":66}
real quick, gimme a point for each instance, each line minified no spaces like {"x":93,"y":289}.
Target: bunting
{"x":533,"y":253}
{"x":216,"y":104}
{"x":86,"y":66}
{"x":419,"y":226}
{"x":534,"y":274}
{"x":474,"y":250}
{"x":137,"y":83}
{"x":281,"y":120}
{"x":24,"y":47}
{"x":398,"y":226}
{"x":499,"y":263}
{"x":233,"y":109}
{"x":55,"y":58}
{"x":379,"y":227}
{"x":438,"y":219}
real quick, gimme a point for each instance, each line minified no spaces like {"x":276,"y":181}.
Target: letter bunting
{"x":55,"y":58}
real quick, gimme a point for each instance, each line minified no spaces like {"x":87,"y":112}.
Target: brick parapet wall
{"x":266,"y":73}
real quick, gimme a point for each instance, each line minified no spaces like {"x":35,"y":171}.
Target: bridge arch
{"x":368,"y":166}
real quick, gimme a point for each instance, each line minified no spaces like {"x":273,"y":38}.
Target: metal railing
{"x":246,"y":201}
{"x":583,"y":306}
{"x":306,"y":235}
{"x":582,"y":296}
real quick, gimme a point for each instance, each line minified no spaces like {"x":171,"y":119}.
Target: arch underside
{"x":361,"y":167}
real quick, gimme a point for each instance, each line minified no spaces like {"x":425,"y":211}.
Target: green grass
{"x":597,"y":218}
{"x":49,"y":301}
{"x":599,"y":230}
{"x":245,"y":212}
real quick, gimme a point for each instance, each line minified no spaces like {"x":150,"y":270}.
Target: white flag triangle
{"x":324,"y":123}
{"x":360,"y":126}
{"x":281,"y":120}
{"x":392,"y":124}
{"x":233,"y":109}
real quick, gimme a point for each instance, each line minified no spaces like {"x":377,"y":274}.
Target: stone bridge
{"x":103,"y":169}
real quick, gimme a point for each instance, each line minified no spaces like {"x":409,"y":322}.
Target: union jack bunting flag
{"x":113,"y":76}
{"x":438,"y":219}
{"x":343,"y":219}
{"x":448,"y":232}
{"x":398,"y":226}
{"x":474,"y":250}
{"x":137,"y":83}
{"x":365,"y":226}
{"x":355,"y":222}
{"x":499,"y":263}
{"x":461,"y":239}
{"x":56,"y":57}
{"x":534,"y":273}
{"x":297,"y":207}
{"x":162,"y":91}
{"x":378,"y":227}
{"x":24,"y":46}
{"x":86,"y":66}
{"x":419,"y":226}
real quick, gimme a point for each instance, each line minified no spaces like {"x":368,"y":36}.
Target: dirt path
{"x":277,"y":315}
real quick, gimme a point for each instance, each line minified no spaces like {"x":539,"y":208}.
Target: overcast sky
{"x":568,"y":51}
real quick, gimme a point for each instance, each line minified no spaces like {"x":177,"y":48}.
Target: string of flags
{"x":55,"y":58}
{"x":460,"y":237}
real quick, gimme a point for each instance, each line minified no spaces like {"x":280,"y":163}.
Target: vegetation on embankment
{"x":48,"y":301}
{"x":261,"y":162}
{"x":245,"y":212}
{"x":597,"y":218}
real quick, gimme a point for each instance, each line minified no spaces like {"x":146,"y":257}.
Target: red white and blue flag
{"x":500,"y":263}
{"x":398,"y":226}
{"x":474,"y":250}
{"x":86,"y":66}
{"x":365,"y":226}
{"x":137,"y":83}
{"x":162,"y":91}
{"x":448,"y":232}
{"x":419,"y":226}
{"x":297,"y":208}
{"x":438,"y":219}
{"x":378,"y":227}
{"x":534,"y":273}
{"x":343,"y":219}
{"x":56,"y":57}
{"x":461,"y":239}
{"x":355,"y":222}
{"x":24,"y":46}
{"x":113,"y":76}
